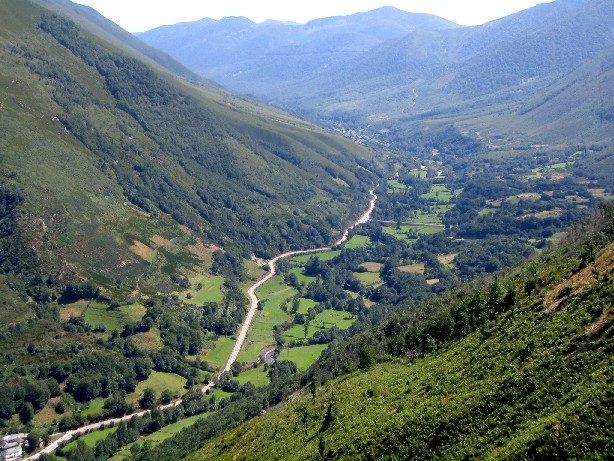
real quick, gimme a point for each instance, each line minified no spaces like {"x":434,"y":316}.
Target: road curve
{"x":253,"y":306}
{"x":251,"y":292}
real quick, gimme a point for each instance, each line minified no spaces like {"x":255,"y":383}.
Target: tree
{"x":148,"y":401}
{"x":26,"y":413}
{"x":366,"y":355}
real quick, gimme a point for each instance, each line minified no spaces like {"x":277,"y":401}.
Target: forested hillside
{"x":512,"y":368}
{"x":121,"y":182}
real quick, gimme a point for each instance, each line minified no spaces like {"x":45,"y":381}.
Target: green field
{"x":368,"y":278}
{"x":218,"y":356}
{"x":300,"y":275}
{"x":438,"y":192}
{"x":418,"y":173}
{"x":91,"y":438}
{"x":211,"y":290}
{"x":256,"y":376}
{"x":273,"y":293}
{"x":305,"y":304}
{"x":323,"y":321}
{"x":323,"y":256}
{"x":304,"y":356}
{"x":94,"y":406}
{"x":98,"y":314}
{"x":158,"y":381}
{"x":394,"y":186}
{"x":159,"y":436}
{"x":358,"y":241}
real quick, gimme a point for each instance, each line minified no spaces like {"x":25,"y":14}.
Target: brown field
{"x":148,"y":340}
{"x":372,"y":266}
{"x":417,"y":268}
{"x":447,"y":260}
{"x":142,"y":250}
{"x":73,"y":310}
{"x":432,"y":281}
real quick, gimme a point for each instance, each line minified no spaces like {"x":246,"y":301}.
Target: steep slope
{"x":89,"y":19}
{"x":254,"y":58}
{"x":518,"y":369}
{"x":102,"y":151}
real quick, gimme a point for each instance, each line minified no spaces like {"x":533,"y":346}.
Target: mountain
{"x":519,"y":367}
{"x":481,"y":78}
{"x":103,"y":154}
{"x":254,"y":58}
{"x":92,"y":21}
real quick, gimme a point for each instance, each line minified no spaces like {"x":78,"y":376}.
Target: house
{"x":11,"y":452}
{"x":11,"y":446}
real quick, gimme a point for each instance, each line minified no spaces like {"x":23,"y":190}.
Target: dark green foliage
{"x":183,"y":130}
{"x":491,"y":372}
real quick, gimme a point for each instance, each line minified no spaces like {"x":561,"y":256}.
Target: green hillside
{"x":100,"y":135}
{"x":119,"y":184}
{"x":516,"y":368}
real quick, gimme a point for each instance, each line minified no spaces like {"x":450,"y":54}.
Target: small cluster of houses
{"x":11,"y":446}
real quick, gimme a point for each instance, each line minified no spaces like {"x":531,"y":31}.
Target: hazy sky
{"x":141,"y":15}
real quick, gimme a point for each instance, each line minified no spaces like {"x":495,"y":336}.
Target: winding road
{"x":60,"y":438}
{"x":251,"y":292}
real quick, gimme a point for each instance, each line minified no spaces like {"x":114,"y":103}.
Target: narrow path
{"x":68,"y":435}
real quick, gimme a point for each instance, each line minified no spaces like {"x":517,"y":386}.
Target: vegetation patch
{"x":102,"y":315}
{"x":159,"y":381}
{"x":369,"y":278}
{"x":417,"y":268}
{"x":75,"y":309}
{"x":149,"y":341}
{"x":322,"y":256}
{"x":357,"y":241}
{"x":204,"y":289}
{"x":447,"y":260}
{"x":372,"y":266}
{"x":256,"y":376}
{"x":303,"y":356}
{"x":218,"y":355}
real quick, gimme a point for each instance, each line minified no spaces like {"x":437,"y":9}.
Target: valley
{"x":415,"y":262}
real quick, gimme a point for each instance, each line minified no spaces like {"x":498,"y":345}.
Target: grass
{"x":98,"y":314}
{"x":394,"y":186}
{"x":305,"y":304}
{"x":323,"y":321}
{"x":158,"y":381}
{"x":358,"y":241}
{"x":300,"y":275}
{"x":218,"y":355}
{"x":368,"y":278}
{"x":439,"y":193}
{"x":417,"y":268}
{"x":418,"y":173}
{"x":148,"y":340}
{"x":75,"y":309}
{"x":372,"y":266}
{"x":257,"y":376}
{"x":211,"y":290}
{"x":303,"y":356}
{"x":159,"y":436}
{"x":91,"y":438}
{"x":447,"y":260}
{"x":323,"y":256}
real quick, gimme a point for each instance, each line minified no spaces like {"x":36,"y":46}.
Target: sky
{"x":142,"y":15}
